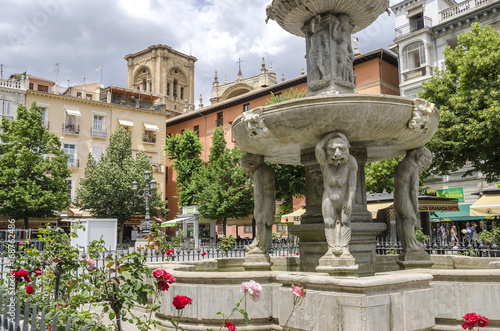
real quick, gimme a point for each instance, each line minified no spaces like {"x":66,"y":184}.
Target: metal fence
{"x":14,"y":318}
{"x":277,"y":249}
{"x":473,"y":248}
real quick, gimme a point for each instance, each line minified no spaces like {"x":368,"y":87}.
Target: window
{"x":98,"y":152}
{"x":416,"y":22}
{"x":71,"y":122}
{"x":413,"y":56}
{"x":31,"y":86}
{"x":197,"y":130}
{"x":98,"y":127}
{"x":44,"y":115}
{"x":43,"y":88}
{"x":88,"y":96}
{"x":149,"y":135}
{"x":168,"y":89}
{"x":174,"y":93}
{"x":278,"y":95}
{"x":246,"y":107}
{"x":182,"y":93}
{"x":247,"y":229}
{"x":412,"y":93}
{"x":220,"y":119}
{"x":78,"y":94}
{"x":166,"y":174}
{"x":70,"y":191}
{"x":70,"y":149}
{"x":280,"y":227}
{"x":220,"y":230}
{"x":6,"y":109}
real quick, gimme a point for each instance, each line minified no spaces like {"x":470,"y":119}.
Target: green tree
{"x":467,"y":93}
{"x":33,"y":168}
{"x":289,"y":183}
{"x":379,"y":176}
{"x":106,"y":190}
{"x":185,"y":151}
{"x":222,"y":189}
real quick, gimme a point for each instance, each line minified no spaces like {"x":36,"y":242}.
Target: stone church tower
{"x":161,"y":70}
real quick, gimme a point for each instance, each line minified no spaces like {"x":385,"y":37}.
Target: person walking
{"x":454,"y":236}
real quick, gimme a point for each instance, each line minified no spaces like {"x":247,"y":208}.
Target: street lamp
{"x":149,"y":191}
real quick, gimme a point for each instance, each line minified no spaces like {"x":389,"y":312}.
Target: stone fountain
{"x":333,"y":133}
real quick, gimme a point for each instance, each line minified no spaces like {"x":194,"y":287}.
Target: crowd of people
{"x":455,"y":233}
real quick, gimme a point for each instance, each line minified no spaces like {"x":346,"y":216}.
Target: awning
{"x":487,"y":205}
{"x":125,"y":122}
{"x":456,"y":216}
{"x":79,"y":212}
{"x":73,"y":112}
{"x":374,"y":207}
{"x":292,"y":216}
{"x":151,"y":127}
{"x":239,"y":221}
{"x":174,"y":221}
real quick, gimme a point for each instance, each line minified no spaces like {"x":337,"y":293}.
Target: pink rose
{"x":252,"y":288}
{"x":158,"y":273}
{"x":38,"y":272}
{"x":298,"y":291}
{"x":90,"y":262}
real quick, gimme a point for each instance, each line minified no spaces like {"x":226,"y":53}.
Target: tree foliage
{"x":184,"y":151}
{"x":106,"y":190}
{"x":467,"y":93}
{"x":33,"y":168}
{"x":289,"y":183}
{"x":221,"y":188}
{"x":379,"y":176}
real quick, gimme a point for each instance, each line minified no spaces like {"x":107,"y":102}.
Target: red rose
{"x":297,"y":253}
{"x":225,"y":243}
{"x":181,"y":301}
{"x":162,"y":285}
{"x":158,"y":273}
{"x":169,"y":252}
{"x":49,"y":328}
{"x":203,"y":253}
{"x":230,"y":326}
{"x":29,"y":289}
{"x":38,"y":272}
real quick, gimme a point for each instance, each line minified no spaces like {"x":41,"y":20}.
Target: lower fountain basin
{"x":385,"y":126}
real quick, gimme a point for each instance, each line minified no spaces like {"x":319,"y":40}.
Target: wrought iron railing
{"x":100,"y":133}
{"x":14,"y":318}
{"x":414,"y":25}
{"x":71,"y":128}
{"x":473,"y":248}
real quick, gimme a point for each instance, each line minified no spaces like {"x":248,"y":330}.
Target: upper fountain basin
{"x":292,"y":15}
{"x":385,"y":126}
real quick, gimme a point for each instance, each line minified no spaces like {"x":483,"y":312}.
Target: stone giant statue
{"x":406,"y":196}
{"x":339,"y":170}
{"x":265,"y":201}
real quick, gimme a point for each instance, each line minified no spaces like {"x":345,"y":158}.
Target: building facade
{"x":423,"y":29}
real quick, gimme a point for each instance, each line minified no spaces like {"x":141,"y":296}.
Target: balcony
{"x":71,"y":128}
{"x":414,"y":25}
{"x":149,"y":138}
{"x":98,"y":133}
{"x":73,"y":163}
{"x":18,"y":84}
{"x":462,"y":8}
{"x":416,"y":73}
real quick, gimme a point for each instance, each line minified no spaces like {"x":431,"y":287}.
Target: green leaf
{"x":112,"y":316}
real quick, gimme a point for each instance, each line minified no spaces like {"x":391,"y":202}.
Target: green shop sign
{"x":457,"y":193}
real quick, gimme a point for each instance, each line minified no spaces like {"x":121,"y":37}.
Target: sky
{"x":82,"y":36}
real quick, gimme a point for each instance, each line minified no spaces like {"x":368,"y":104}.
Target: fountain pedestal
{"x":257,"y":262}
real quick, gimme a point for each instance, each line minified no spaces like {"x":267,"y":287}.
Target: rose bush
{"x":472,"y":320}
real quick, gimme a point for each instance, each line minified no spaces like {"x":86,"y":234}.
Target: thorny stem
{"x":246,"y":295}
{"x":296,"y":303}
